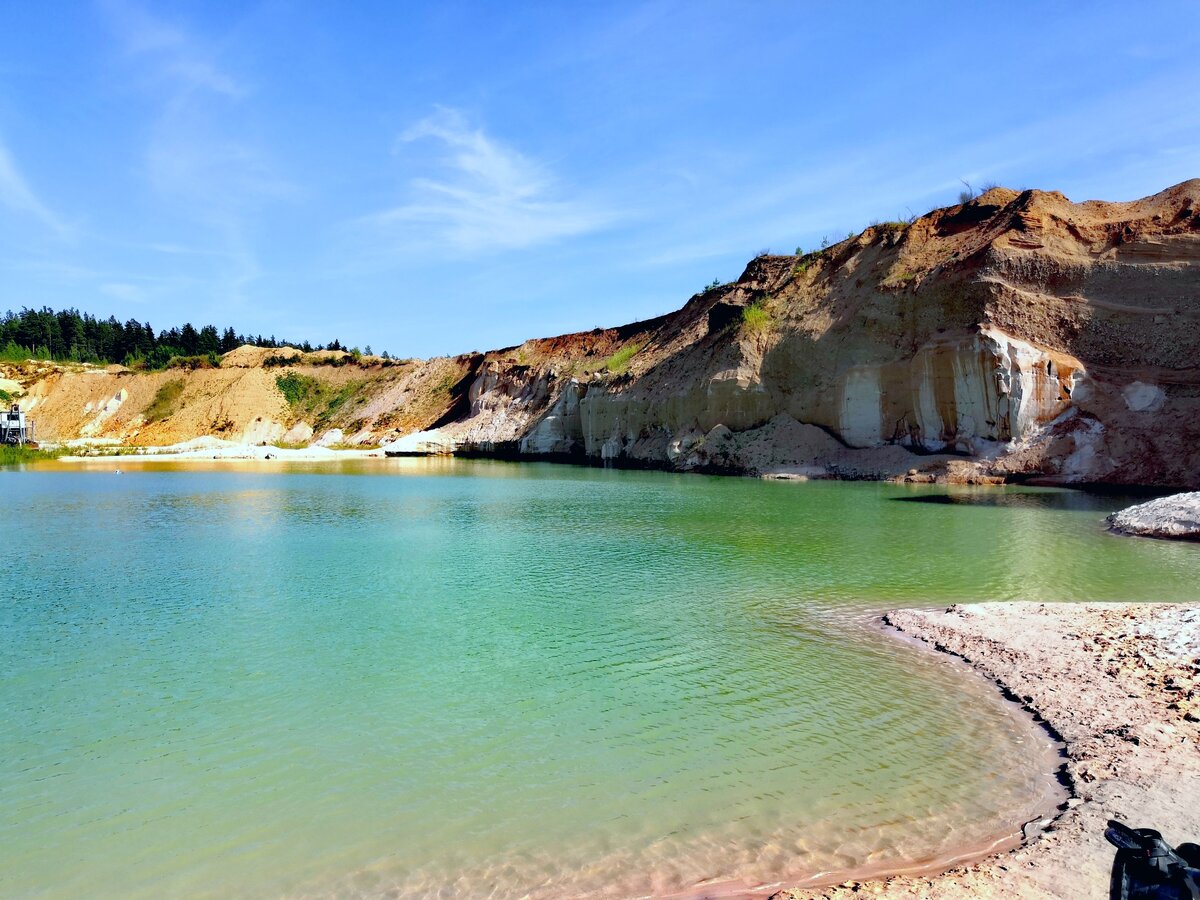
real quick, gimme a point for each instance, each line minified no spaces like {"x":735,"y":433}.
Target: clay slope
{"x":1015,"y":336}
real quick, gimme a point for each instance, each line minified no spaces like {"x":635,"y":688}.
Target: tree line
{"x":72,"y":336}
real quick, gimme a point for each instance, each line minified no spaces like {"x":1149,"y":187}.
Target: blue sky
{"x":437,"y":178}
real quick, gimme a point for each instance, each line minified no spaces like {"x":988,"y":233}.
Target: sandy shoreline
{"x":1120,"y":683}
{"x":210,"y":448}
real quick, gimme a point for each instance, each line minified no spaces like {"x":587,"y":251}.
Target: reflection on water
{"x":965,"y":495}
{"x":474,"y":678}
{"x":1001,"y":498}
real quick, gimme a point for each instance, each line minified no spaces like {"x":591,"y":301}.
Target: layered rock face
{"x":1016,"y":336}
{"x":958,"y":393}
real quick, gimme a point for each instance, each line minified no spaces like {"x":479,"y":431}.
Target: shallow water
{"x":475,"y":678}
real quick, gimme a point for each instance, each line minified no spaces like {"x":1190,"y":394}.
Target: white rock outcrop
{"x":104,"y":412}
{"x":1177,"y":516}
{"x":422,"y":443}
{"x":300,"y":433}
{"x":262,"y":431}
{"x":331,"y":437}
{"x":955,"y":393}
{"x":560,"y":431}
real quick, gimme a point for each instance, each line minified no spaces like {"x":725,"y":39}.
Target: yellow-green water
{"x":472,"y":678}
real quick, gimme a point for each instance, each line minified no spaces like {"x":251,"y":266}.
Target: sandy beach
{"x":1120,"y":685}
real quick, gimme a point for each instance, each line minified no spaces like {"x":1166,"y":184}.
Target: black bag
{"x":1146,"y":868}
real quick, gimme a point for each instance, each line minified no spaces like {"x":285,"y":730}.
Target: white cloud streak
{"x":17,"y":195}
{"x":179,"y":57}
{"x":492,"y":197}
{"x":198,"y":155}
{"x":195,"y":150}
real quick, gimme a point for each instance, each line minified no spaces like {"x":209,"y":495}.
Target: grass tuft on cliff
{"x":619,"y":361}
{"x":757,"y":320}
{"x":165,"y":402}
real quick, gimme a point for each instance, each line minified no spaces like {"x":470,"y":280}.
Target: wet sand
{"x":1120,"y":685}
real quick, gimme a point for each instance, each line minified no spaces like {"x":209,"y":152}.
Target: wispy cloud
{"x":191,"y":156}
{"x":491,"y":196}
{"x":179,"y":57}
{"x":201,"y":154}
{"x":198,"y":147}
{"x":17,"y":195}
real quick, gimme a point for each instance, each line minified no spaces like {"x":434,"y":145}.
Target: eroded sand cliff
{"x":1017,"y":336}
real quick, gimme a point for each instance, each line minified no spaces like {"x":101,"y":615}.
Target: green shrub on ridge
{"x":757,"y":319}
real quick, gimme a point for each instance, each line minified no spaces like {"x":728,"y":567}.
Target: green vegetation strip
{"x":310,"y":397}
{"x":619,"y":361}
{"x":12,"y":454}
{"x":165,"y":401}
{"x":71,"y":336}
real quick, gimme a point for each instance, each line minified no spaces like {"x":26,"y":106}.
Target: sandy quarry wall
{"x":1036,"y":336}
{"x":240,"y":401}
{"x":1021,"y":334}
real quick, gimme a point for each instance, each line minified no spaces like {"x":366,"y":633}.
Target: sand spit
{"x":1120,"y":684}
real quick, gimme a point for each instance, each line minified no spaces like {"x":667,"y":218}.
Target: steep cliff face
{"x":1018,"y":335}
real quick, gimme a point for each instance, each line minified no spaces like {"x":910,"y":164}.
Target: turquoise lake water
{"x":452,"y":678}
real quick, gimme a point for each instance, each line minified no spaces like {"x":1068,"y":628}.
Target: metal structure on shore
{"x":15,"y":428}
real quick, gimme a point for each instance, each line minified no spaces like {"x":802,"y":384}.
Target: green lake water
{"x":451,"y":678}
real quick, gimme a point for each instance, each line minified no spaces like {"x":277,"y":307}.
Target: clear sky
{"x":442,"y":177}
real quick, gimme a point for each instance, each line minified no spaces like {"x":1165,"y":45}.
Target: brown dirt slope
{"x":240,"y":401}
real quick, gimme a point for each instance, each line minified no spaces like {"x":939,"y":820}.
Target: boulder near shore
{"x":1177,"y":516}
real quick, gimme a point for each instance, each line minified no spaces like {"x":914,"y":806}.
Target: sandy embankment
{"x":209,"y":448}
{"x":1120,"y":684}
